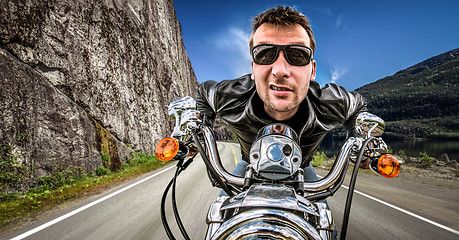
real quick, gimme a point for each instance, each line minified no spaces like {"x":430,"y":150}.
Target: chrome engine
{"x":271,"y":211}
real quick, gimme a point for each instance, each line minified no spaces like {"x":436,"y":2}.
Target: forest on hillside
{"x":420,"y":101}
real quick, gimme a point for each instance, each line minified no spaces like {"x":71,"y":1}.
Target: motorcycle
{"x":272,"y":200}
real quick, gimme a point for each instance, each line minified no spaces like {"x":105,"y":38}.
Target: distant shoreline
{"x":395,"y":136}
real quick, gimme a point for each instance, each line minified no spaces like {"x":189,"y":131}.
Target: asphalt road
{"x":395,"y":209}
{"x":133,"y":212}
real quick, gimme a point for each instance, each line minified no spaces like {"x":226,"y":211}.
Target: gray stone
{"x":77,"y":74}
{"x":57,"y":132}
{"x":399,"y":159}
{"x":452,"y":163}
{"x":444,"y":157}
{"x":439,"y":163}
{"x":412,"y":160}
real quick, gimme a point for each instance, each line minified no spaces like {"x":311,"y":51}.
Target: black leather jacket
{"x":238,"y":104}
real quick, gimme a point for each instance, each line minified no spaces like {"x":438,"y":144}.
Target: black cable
{"x":174,"y":203}
{"x":350,"y":192}
{"x":163,"y":212}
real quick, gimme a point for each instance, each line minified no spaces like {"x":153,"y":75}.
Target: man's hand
{"x":365,"y":163}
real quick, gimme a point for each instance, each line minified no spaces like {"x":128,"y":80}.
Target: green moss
{"x":106,"y":146}
{"x":105,"y":159}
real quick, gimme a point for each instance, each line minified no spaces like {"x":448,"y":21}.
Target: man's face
{"x":280,"y":85}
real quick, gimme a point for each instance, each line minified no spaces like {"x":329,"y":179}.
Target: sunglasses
{"x":266,"y":54}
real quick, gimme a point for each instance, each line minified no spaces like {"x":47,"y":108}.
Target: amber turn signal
{"x":167,"y":149}
{"x":388,"y":166}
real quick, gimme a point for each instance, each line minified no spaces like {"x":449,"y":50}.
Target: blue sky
{"x":358,"y":42}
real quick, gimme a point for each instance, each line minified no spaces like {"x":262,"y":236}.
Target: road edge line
{"x":403,"y":210}
{"x":67,"y":215}
{"x":409,"y":213}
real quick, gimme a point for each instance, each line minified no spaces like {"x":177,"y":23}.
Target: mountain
{"x":420,"y":101}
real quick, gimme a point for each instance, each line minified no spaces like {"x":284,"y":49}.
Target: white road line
{"x":50,"y":223}
{"x":403,"y":210}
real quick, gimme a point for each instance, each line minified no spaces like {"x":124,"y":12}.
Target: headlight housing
{"x":276,"y":154}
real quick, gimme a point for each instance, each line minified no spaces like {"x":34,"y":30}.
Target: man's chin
{"x":281,"y":107}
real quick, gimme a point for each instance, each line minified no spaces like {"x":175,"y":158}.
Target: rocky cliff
{"x":85,"y":82}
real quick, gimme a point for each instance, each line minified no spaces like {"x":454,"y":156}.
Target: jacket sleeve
{"x":336,"y":104}
{"x":206,"y":101}
{"x":356,"y":104}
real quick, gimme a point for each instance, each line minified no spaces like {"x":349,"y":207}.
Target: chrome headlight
{"x":276,"y":154}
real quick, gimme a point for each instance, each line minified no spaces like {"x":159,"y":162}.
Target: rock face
{"x":84,"y":81}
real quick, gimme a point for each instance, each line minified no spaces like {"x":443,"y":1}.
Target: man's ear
{"x":252,"y":76}
{"x":313,"y":70}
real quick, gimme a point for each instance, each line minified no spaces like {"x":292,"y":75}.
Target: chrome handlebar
{"x":187,"y":121}
{"x":211,"y":146}
{"x":316,"y":186}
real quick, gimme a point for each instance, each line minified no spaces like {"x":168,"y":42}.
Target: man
{"x":280,"y":89}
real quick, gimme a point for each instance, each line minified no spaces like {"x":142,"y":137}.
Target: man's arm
{"x":353,"y":104}
{"x":206,"y":101}
{"x":333,"y":102}
{"x":356,"y":104}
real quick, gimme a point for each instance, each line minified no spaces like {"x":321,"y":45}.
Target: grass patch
{"x":426,"y":160}
{"x":318,"y":159}
{"x":53,"y":190}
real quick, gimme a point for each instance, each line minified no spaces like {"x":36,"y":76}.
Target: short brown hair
{"x":283,"y":16}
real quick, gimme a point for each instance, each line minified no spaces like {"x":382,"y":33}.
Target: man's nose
{"x":281,"y":68}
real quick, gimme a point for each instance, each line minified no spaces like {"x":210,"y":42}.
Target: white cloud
{"x":234,"y":42}
{"x":326,"y":11}
{"x":336,"y":74}
{"x":340,"y":23}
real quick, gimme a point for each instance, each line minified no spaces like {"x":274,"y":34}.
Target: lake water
{"x":433,"y":147}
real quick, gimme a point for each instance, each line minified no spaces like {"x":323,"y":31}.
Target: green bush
{"x":60,"y":178}
{"x":105,"y":159}
{"x":318,"y":159}
{"x":426,"y":159}
{"x":62,"y":185}
{"x":402,"y":154}
{"x":101,"y":171}
{"x":12,"y":174}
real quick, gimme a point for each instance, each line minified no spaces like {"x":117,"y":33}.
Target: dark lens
{"x":299,"y":55}
{"x":264,"y":54}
